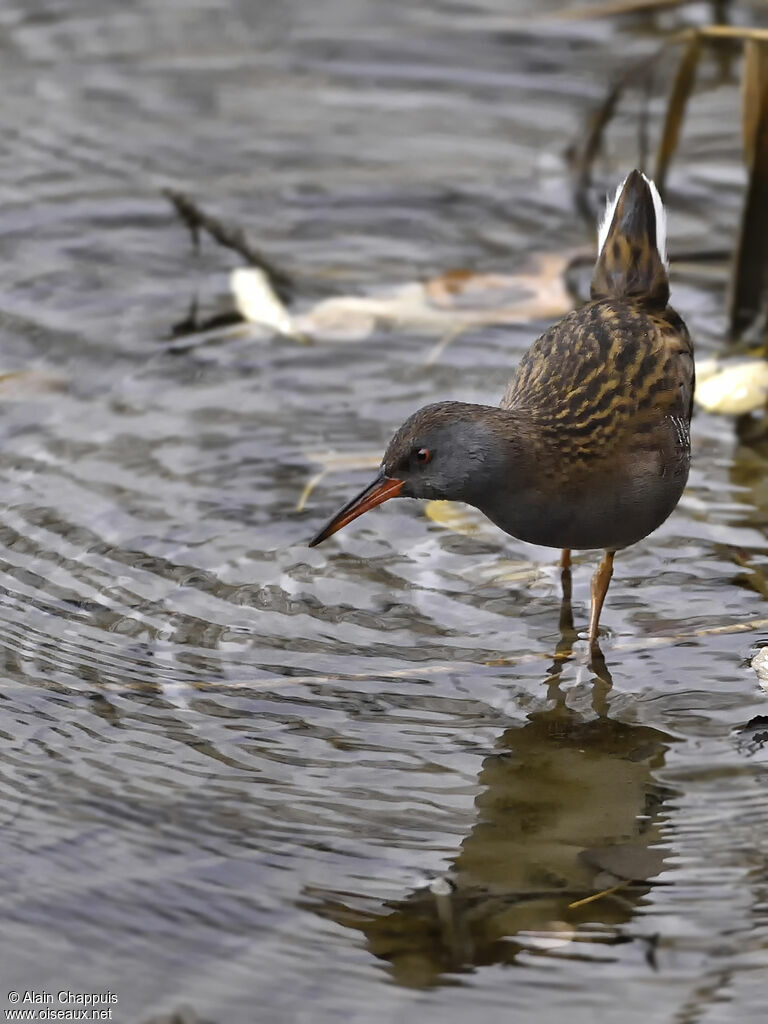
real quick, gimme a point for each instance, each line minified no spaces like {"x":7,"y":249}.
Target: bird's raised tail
{"x":632,"y":258}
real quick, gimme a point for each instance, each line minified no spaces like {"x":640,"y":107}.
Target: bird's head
{"x":449,"y":450}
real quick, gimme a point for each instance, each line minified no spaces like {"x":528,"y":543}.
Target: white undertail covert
{"x":658,"y":209}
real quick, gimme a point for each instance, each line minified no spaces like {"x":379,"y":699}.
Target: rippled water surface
{"x":367,"y":781}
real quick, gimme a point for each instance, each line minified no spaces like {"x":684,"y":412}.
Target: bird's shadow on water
{"x":566,"y":844}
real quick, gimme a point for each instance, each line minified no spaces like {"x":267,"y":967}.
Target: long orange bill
{"x":382,"y":489}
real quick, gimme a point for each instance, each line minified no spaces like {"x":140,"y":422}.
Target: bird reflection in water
{"x":566,"y":844}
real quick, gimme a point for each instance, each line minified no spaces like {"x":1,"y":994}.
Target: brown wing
{"x":608,"y":376}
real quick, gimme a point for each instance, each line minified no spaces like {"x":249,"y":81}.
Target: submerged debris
{"x":446,"y":304}
{"x":230,"y":236}
{"x":449,"y":302}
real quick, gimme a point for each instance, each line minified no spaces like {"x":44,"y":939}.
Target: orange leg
{"x":565,"y":558}
{"x":600,"y":582}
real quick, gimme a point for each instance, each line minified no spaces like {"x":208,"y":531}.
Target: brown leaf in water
{"x":536,"y":293}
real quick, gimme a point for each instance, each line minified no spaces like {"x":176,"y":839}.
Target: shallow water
{"x":364,"y":781}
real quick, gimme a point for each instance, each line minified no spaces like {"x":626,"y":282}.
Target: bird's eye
{"x":423,"y":455}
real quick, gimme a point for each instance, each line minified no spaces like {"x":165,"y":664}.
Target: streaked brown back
{"x":604,"y":379}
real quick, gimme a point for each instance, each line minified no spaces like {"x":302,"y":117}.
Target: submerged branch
{"x":230,"y":236}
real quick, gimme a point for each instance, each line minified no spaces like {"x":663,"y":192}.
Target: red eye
{"x":423,"y":455}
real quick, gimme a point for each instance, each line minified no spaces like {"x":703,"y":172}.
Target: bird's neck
{"x":500,"y":458}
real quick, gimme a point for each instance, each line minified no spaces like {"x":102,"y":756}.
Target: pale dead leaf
{"x":257,"y":301}
{"x":448,"y":302}
{"x":733,"y":388}
{"x":457,"y":517}
{"x":706,"y":368}
{"x":342,"y":318}
{"x":18,"y":385}
{"x":760,"y":665}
